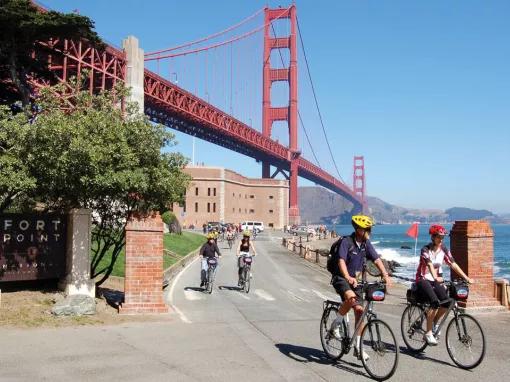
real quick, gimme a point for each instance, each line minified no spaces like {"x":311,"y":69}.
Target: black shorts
{"x":432,"y":292}
{"x":341,"y":286}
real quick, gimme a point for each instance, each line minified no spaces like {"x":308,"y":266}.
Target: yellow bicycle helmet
{"x":246,"y":233}
{"x":210,"y":236}
{"x":362,"y":221}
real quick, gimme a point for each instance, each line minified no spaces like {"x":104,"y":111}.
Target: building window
{"x":196,"y":191}
{"x":239,"y":195}
{"x":233,"y":210}
{"x":245,"y":196}
{"x":239,"y":210}
{"x":233,"y":195}
{"x":208,"y":191}
{"x":271,"y":225}
{"x":208,"y":207}
{"x":196,"y":205}
{"x":245,"y":210}
{"x":184,"y":207}
{"x":214,"y":207}
{"x":270,"y":211}
{"x":252,"y":196}
{"x":270,"y":196}
{"x":214,"y":191}
{"x":252,"y":211}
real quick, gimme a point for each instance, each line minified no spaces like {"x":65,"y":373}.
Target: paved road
{"x":270,"y":334}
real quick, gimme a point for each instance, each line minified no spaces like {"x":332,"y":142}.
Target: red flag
{"x":413,"y":231}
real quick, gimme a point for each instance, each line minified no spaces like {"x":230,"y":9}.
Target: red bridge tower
{"x":358,"y":181}
{"x":288,"y":113}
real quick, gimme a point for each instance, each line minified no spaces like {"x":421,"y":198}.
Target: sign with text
{"x":32,"y":246}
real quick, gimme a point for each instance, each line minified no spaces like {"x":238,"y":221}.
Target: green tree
{"x":94,"y":156}
{"x":16,"y":182}
{"x":22,"y":25}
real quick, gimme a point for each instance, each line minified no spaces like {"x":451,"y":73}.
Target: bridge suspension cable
{"x":214,"y":35}
{"x":316,"y":101}
{"x":234,"y":39}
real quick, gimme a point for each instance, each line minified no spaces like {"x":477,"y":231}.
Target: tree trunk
{"x":19,"y":82}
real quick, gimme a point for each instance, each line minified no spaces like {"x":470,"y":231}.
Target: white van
{"x":250,"y":225}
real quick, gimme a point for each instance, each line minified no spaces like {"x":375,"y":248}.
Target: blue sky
{"x":420,"y":88}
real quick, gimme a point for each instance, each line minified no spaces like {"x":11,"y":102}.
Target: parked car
{"x":212,"y":225}
{"x":251,"y":225}
{"x":301,"y":230}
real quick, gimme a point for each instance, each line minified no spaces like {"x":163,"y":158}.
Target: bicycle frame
{"x":426,"y":308}
{"x":368,"y":313}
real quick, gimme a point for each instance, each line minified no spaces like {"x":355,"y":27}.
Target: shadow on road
{"x":227,"y":287}
{"x":305,"y":354}
{"x":423,"y":356}
{"x":195,"y":289}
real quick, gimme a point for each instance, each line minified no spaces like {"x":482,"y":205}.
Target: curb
{"x":174,"y":269}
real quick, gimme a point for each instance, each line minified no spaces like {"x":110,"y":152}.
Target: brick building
{"x":218,"y":194}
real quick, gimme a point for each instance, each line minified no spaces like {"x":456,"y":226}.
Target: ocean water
{"x":389,"y":239}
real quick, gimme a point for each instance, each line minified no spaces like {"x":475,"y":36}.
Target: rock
{"x":75,"y":305}
{"x":390,"y":266}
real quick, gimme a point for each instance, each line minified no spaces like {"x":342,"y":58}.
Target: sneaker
{"x":434,"y":330}
{"x":365,"y":356}
{"x":335,"y":332}
{"x":430,"y":339}
{"x":335,"y":327}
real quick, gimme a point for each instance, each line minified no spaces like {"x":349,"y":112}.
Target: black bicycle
{"x":465,"y":339}
{"x":377,"y":339}
{"x":212,"y":263}
{"x":245,"y":278}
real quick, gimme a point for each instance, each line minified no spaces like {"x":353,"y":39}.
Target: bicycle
{"x":245,"y":278}
{"x":212,"y":263}
{"x":377,"y":338}
{"x":465,"y":339}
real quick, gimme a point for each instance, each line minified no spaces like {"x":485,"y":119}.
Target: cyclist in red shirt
{"x":429,"y":278}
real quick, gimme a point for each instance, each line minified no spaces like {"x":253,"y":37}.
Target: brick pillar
{"x":472,"y":246}
{"x":143,"y":283}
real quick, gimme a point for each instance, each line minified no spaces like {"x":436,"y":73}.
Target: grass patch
{"x":180,"y":245}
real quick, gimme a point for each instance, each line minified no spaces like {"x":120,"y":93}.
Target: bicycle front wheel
{"x":210,"y":280}
{"x":247,"y":280}
{"x":465,"y":341}
{"x":333,"y":346}
{"x":413,"y":328}
{"x":380,"y":346}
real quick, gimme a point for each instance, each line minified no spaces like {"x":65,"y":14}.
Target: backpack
{"x":333,"y":257}
{"x":332,"y":263}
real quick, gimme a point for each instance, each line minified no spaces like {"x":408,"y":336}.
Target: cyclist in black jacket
{"x":209,"y":249}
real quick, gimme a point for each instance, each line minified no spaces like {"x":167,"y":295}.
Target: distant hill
{"x":318,"y":205}
{"x":460,"y":213}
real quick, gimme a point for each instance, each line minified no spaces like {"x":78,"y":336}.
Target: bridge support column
{"x":266,"y":170}
{"x":134,"y":71}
